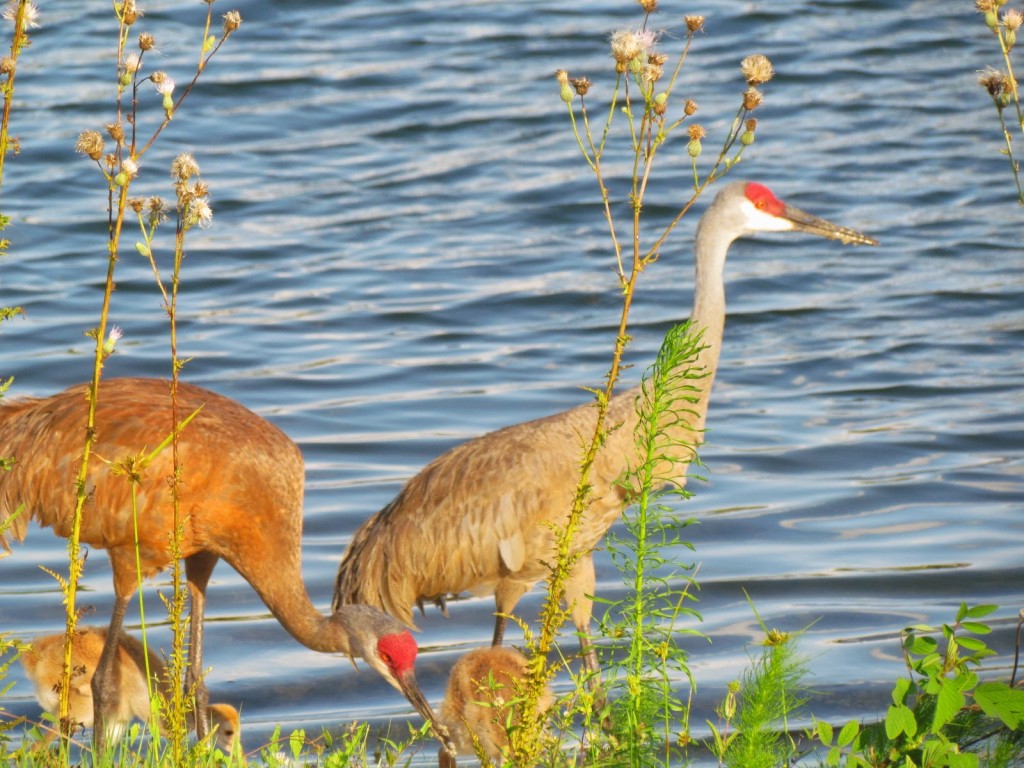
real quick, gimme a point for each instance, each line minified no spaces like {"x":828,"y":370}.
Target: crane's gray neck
{"x":284,"y":593}
{"x":711,"y":246}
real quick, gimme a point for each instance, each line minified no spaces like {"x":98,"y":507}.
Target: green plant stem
{"x":75,"y":561}
{"x":18,"y":41}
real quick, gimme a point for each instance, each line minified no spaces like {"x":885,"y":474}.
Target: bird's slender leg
{"x":506,"y":595}
{"x":104,"y":680}
{"x":499,"y":630}
{"x":578,"y":591}
{"x":198,"y":568}
{"x":445,"y":760}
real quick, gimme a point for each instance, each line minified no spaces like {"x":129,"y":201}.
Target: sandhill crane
{"x":481,"y":700}
{"x":478,"y":517}
{"x":44,"y":660}
{"x":242,"y":481}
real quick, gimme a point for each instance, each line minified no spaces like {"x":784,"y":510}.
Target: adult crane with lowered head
{"x":242,"y":484}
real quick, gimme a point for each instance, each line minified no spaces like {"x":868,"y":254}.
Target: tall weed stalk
{"x":120,"y":167}
{"x":643,"y":96}
{"x":1002,"y":84}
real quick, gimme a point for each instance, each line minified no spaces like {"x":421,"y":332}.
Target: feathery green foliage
{"x":642,"y":661}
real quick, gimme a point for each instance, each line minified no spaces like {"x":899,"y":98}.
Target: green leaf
{"x":848,"y":734}
{"x":824,"y":731}
{"x":832,"y":758}
{"x":962,"y":760}
{"x":947,"y":704}
{"x":899,"y":691}
{"x":900,"y":719}
{"x":920,"y":645}
{"x":297,"y":741}
{"x":980,"y":611}
{"x":1001,"y":701}
{"x":972,"y":644}
{"x":976,"y":627}
{"x":962,"y":612}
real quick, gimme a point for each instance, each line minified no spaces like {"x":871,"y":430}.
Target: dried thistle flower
{"x":164,"y":83}
{"x":232,"y":21}
{"x":1012,"y":20}
{"x":157,"y":211}
{"x":147,"y":42}
{"x":29,"y":20}
{"x":199,"y":212}
{"x":137,"y":204}
{"x":653,"y":72}
{"x":751,"y":124}
{"x":110,"y":160}
{"x":131,"y":63}
{"x":90,"y":143}
{"x":649,"y":6}
{"x":986,"y":6}
{"x":115,"y":131}
{"x":757,"y":69}
{"x":998,"y":86}
{"x":629,"y":44}
{"x":696,"y":133}
{"x":130,"y":167}
{"x":752,"y":99}
{"x":129,"y":12}
{"x":184,"y":167}
{"x":7,"y":65}
{"x":690,"y":107}
{"x":694,"y":23}
{"x":581,"y":84}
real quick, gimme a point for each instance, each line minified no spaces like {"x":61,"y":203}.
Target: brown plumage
{"x":43,"y":662}
{"x":481,"y":701}
{"x":478,"y":517}
{"x":241,"y":500}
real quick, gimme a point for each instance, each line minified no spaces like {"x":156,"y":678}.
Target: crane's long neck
{"x":708,"y":316}
{"x":278,"y":582}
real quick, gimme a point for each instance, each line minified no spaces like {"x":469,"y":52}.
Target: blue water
{"x":407,"y":251}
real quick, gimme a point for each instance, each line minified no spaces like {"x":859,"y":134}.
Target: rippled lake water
{"x":408,"y":252}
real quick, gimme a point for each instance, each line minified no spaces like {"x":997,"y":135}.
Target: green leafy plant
{"x":642,"y":657}
{"x":753,"y":729}
{"x":942,"y":713}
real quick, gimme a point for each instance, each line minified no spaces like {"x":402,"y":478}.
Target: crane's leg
{"x":506,"y":595}
{"x":578,"y":590}
{"x":104,"y":680}
{"x":198,"y":568}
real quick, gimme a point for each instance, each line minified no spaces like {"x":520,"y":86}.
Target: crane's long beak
{"x":410,"y":688}
{"x":805,"y":222}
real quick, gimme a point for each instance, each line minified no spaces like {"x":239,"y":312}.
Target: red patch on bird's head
{"x":398,"y":651}
{"x":764,"y":199}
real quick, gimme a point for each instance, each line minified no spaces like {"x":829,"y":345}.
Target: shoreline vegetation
{"x":945,"y":708}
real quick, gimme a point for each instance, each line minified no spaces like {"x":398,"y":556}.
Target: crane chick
{"x":481,"y":700}
{"x":44,"y":660}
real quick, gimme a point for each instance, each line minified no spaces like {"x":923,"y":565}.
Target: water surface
{"x":408,"y":252}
